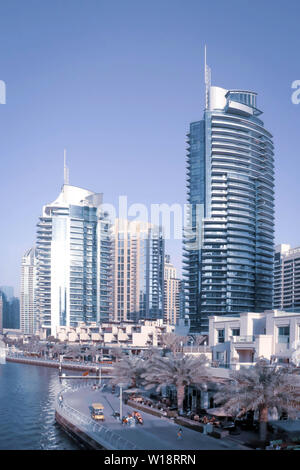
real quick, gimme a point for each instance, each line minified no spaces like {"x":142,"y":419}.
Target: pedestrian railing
{"x":102,"y":434}
{"x":77,"y":364}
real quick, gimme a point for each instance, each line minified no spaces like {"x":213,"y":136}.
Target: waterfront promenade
{"x":70,"y":365}
{"x":155,"y":434}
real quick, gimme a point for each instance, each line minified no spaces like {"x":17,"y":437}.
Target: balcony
{"x":238,"y":365}
{"x":242,"y":339}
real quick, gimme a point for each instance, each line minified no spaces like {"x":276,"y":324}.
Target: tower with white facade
{"x":73,"y":260}
{"x":28,"y":314}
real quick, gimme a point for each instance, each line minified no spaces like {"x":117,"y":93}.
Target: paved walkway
{"x":155,"y":434}
{"x":70,"y":365}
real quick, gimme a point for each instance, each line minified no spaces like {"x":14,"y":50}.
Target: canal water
{"x":27,"y":397}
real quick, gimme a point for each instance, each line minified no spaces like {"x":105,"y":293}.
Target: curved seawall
{"x":84,"y":429}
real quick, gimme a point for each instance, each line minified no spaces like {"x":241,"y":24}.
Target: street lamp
{"x":60,"y":365}
{"x":121,"y":385}
{"x":98,"y":373}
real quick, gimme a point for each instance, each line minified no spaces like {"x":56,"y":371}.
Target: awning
{"x":218,"y":412}
{"x":289,"y":426}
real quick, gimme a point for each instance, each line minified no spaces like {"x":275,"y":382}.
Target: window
{"x":220,"y":356}
{"x":284,"y":334}
{"x":235,"y":332}
{"x":221,"y":336}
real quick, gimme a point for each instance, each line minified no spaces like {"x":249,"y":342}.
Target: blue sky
{"x":117,"y":83}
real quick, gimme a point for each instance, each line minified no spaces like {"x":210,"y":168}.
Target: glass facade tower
{"x":138,"y":279}
{"x":229,"y":241}
{"x":73,"y":252}
{"x":287,"y":278}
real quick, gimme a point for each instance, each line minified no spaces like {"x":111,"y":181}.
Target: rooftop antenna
{"x":66,"y":169}
{"x":207,"y":79}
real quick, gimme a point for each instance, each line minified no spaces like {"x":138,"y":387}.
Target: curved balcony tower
{"x":73,"y":260}
{"x":229,"y":243}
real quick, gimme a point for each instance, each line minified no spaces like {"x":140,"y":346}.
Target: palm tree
{"x":173,"y":342}
{"x":58,"y":349}
{"x":7,"y":341}
{"x":41,"y":349}
{"x":176,"y":369}
{"x":129,"y":370}
{"x":93,"y":352}
{"x":74,"y":350}
{"x":148,"y":353}
{"x":52,"y":339}
{"x":117,"y":353}
{"x":295,"y":356}
{"x":199,"y":340}
{"x":28,"y":347}
{"x":261,"y":388}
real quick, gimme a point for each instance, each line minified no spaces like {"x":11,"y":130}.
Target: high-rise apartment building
{"x":10,"y":309}
{"x":1,"y":314}
{"x":73,"y":261}
{"x":8,"y":291}
{"x":138,"y":260}
{"x":13,"y":319}
{"x":28,"y":320}
{"x":228,"y":246}
{"x":287,"y":278}
{"x":172,"y":291}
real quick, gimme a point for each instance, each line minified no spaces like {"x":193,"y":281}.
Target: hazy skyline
{"x":117,"y":84}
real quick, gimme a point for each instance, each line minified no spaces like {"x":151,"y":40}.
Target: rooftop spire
{"x":207,"y":79}
{"x":66,"y":169}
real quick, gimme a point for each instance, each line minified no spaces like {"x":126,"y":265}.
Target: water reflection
{"x":27,"y":395}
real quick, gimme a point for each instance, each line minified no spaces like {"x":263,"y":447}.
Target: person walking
{"x":179,"y":434}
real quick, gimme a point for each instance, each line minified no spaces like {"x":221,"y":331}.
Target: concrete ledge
{"x":83,"y":428}
{"x":181,"y":421}
{"x":188,"y":423}
{"x":77,"y":433}
{"x":34,"y":362}
{"x":145,"y":408}
{"x":20,"y":360}
{"x":219,"y":434}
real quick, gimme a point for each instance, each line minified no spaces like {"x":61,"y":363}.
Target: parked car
{"x":97,"y":412}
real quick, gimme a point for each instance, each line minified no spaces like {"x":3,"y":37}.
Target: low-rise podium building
{"x":146,"y":333}
{"x":240,"y":340}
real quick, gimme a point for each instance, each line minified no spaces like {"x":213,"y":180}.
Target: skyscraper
{"x":228,"y":245}
{"x":14,"y":314}
{"x":28,"y":320}
{"x":172,"y":288}
{"x":138,"y":252}
{"x":8,"y":291}
{"x":10,"y":310}
{"x":287,"y":278}
{"x":73,"y":269}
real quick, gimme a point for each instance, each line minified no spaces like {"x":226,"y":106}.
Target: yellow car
{"x":97,"y":411}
